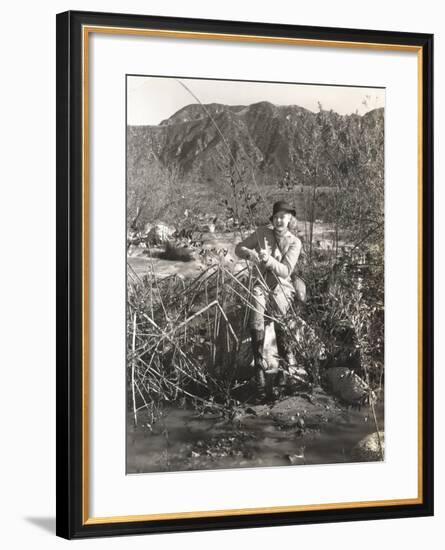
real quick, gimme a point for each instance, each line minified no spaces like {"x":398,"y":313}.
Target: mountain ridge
{"x":204,"y":148}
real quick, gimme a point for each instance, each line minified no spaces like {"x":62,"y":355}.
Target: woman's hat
{"x":282,"y":206}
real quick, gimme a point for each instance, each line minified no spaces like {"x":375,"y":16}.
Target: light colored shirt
{"x":284,"y":250}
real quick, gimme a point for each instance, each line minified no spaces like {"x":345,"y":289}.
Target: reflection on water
{"x":183,"y":440}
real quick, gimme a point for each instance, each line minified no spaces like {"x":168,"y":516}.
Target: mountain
{"x":270,"y":139}
{"x":261,"y":145}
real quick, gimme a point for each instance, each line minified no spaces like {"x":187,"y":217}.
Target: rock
{"x":368,"y":448}
{"x":298,"y":377}
{"x":177,"y":253}
{"x":347,"y":385}
{"x":297,"y":458}
{"x":312,"y":412}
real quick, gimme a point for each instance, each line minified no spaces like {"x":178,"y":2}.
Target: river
{"x":290,"y":432}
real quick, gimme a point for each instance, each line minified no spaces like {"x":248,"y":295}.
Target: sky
{"x":153,"y":99}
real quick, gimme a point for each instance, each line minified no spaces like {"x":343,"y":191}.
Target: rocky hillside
{"x":200,"y":148}
{"x":271,"y":139}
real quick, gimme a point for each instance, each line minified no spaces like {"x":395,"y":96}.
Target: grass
{"x":187,"y":338}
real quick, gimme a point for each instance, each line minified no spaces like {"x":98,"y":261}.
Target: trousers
{"x":274,"y":302}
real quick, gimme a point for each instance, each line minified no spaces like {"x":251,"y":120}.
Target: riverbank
{"x":303,"y":429}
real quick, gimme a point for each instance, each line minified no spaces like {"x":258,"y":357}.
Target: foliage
{"x":345,"y":171}
{"x":330,"y":165}
{"x":346,"y":311}
{"x":186,"y":337}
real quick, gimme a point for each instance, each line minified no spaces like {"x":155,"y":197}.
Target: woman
{"x":275,"y":252}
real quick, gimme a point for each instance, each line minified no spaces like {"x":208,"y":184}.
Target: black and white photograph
{"x":232,"y":272}
{"x":255,"y":274}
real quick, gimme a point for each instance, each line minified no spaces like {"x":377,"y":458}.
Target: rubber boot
{"x":258,"y":359}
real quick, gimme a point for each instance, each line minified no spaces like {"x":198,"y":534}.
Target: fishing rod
{"x":226,"y":144}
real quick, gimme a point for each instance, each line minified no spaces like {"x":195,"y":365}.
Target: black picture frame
{"x":71,"y":520}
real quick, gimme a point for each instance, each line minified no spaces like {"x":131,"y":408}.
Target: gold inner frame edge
{"x":128,"y":31}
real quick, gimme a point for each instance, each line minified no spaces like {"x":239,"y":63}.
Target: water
{"x":183,"y":440}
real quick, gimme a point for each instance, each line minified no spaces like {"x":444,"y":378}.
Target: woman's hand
{"x":264,"y":255}
{"x":253,"y":255}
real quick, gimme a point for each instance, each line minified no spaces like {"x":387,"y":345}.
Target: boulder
{"x":368,"y":448}
{"x":347,"y":385}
